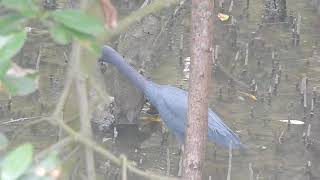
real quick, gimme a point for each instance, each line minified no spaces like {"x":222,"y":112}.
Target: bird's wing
{"x":215,"y":123}
{"x":176,"y":99}
{"x":220,"y":132}
{"x":175,"y":102}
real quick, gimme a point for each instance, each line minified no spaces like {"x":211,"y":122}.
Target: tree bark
{"x":197,"y":124}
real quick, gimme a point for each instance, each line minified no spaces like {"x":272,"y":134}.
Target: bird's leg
{"x":181,"y":151}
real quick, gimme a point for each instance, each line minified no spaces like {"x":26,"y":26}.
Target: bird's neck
{"x":137,"y":79}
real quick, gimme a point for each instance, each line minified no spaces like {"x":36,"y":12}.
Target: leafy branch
{"x":65,"y":26}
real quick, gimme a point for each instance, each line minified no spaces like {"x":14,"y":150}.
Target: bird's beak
{"x":102,"y":62}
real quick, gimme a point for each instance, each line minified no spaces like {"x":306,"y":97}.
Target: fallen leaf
{"x":249,"y":95}
{"x":223,"y":17}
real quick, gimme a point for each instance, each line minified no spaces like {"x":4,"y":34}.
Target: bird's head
{"x":109,"y":55}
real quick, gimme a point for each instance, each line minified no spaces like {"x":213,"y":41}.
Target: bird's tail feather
{"x":221,"y":133}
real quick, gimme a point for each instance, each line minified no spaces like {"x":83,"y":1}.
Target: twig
{"x":231,"y":6}
{"x":83,"y":107}
{"x":89,"y":143}
{"x":65,"y":92}
{"x":86,"y":129}
{"x":72,"y":152}
{"x":237,"y":56}
{"x":250,"y":172}
{"x":247,"y":55}
{"x":60,"y":132}
{"x":181,"y":47}
{"x":139,"y":14}
{"x":167,"y":22}
{"x":304,"y":91}
{"x":309,"y":131}
{"x":299,"y":23}
{"x":82,"y":94}
{"x":75,"y":170}
{"x":230,"y":76}
{"x":230,"y":161}
{"x":55,"y":147}
{"x":124,"y":170}
{"x":281,"y":137}
{"x":67,"y":85}
{"x":19,"y":120}
{"x":85,"y":121}
{"x":24,"y":126}
{"x":145,"y":3}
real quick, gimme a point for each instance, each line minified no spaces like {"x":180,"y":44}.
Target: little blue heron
{"x":171,"y":103}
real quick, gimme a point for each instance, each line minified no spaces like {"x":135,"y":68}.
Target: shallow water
{"x":275,"y":150}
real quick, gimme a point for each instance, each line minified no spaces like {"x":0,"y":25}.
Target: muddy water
{"x":274,"y":150}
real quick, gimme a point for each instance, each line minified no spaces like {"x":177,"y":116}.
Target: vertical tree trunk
{"x":197,"y":125}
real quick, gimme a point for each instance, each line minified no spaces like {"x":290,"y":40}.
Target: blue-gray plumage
{"x":171,"y":102}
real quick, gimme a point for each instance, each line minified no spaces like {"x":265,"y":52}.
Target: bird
{"x":171,"y":103}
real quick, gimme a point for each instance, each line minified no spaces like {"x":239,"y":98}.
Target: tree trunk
{"x":197,"y":125}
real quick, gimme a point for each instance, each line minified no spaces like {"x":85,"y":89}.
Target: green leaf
{"x":35,"y":177}
{"x":60,"y":34}
{"x":16,"y":162}
{"x":10,"y":23}
{"x":88,"y":41}
{"x":77,"y":20}
{"x":63,"y":35}
{"x":3,"y":141}
{"x":9,"y":46}
{"x":25,"y":7}
{"x":20,"y":86}
{"x":45,"y":167}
